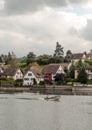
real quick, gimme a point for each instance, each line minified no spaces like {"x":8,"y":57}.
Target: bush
{"x":89,"y":81}
{"x":41,"y":83}
{"x":3,"y":78}
{"x":19,"y":82}
{"x":7,"y":81}
{"x":70,"y":83}
{"x":59,"y":83}
{"x":69,"y":80}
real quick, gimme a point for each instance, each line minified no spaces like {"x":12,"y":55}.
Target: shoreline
{"x":61,"y":90}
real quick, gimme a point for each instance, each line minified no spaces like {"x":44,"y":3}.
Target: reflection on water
{"x":27,"y":111}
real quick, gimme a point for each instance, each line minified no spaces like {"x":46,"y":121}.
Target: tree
{"x":58,"y":51}
{"x":44,"y":59}
{"x":11,"y":60}
{"x":68,"y":56}
{"x":30,"y":58}
{"x":82,"y":76}
{"x":72,"y":71}
{"x":79,"y":64}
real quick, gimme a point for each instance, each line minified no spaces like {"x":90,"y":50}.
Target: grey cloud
{"x":56,"y":3}
{"x":21,"y":6}
{"x":73,"y":31}
{"x":86,"y":32}
{"x":78,"y":1}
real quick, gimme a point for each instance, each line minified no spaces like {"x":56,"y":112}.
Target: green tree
{"x":88,"y":62}
{"x":79,"y":64}
{"x":8,"y":58}
{"x":44,"y":59}
{"x":72,"y":71}
{"x":82,"y":76}
{"x":11,"y":60}
{"x":68,"y":56}
{"x":31,"y":58}
{"x":58,"y":51}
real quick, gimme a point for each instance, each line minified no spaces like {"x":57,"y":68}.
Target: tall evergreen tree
{"x":72,"y":71}
{"x":58,"y":51}
{"x":82,"y":76}
{"x":79,"y":64}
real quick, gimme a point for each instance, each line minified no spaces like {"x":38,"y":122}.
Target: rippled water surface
{"x":27,"y":111}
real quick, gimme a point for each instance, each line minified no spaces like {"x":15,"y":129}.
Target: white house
{"x":13,"y":73}
{"x":33,"y":75}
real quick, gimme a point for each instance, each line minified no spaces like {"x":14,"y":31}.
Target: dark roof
{"x":86,"y":68}
{"x":78,"y":56}
{"x":50,"y":69}
{"x":10,"y":71}
{"x":88,"y":56}
{"x":36,"y":71}
{"x":89,"y":68}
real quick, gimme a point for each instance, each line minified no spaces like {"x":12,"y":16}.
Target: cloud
{"x":79,"y":1}
{"x":39,"y":31}
{"x":86,"y":32}
{"x":24,"y":6}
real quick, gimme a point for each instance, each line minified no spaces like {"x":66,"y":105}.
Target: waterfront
{"x":56,"y":90}
{"x":28,"y":111}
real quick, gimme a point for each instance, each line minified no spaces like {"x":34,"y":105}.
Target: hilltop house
{"x":81,"y":56}
{"x":50,"y":71}
{"x":14,"y":73}
{"x":33,"y":76}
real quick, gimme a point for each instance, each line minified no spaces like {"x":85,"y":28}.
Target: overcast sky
{"x":36,"y":26}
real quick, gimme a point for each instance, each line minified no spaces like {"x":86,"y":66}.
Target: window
{"x":26,"y":78}
{"x":29,"y":74}
{"x":32,"y":78}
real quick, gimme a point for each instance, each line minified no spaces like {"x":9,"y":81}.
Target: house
{"x":14,"y":73}
{"x":81,"y":56}
{"x":32,"y":76}
{"x":89,"y":56}
{"x":88,"y":71}
{"x":78,"y":56}
{"x":50,"y":71}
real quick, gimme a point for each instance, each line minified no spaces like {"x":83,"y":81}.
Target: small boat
{"x":53,"y":98}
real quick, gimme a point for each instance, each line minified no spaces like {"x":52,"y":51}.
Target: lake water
{"x":27,"y":111}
